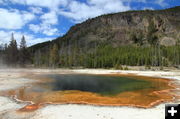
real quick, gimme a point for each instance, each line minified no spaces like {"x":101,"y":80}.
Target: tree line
{"x":107,"y":56}
{"x":98,"y":55}
{"x":145,"y":51}
{"x":11,"y":55}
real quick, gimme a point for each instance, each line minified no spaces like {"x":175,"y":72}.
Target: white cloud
{"x":79,"y":11}
{"x":36,"y":10}
{"x":51,"y":4}
{"x":35,"y":28}
{"x":47,"y":3}
{"x":30,"y":39}
{"x":50,"y":18}
{"x":14,"y":19}
{"x":161,"y":3}
{"x":1,"y":2}
{"x":44,"y":29}
{"x":75,"y":10}
{"x":50,"y":31}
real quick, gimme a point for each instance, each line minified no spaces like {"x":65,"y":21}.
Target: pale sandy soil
{"x":14,"y":78}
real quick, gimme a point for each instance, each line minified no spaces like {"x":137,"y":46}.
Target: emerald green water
{"x":104,"y":85}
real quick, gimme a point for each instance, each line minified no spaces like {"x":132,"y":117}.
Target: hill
{"x":129,"y":35}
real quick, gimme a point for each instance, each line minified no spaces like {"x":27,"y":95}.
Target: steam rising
{"x":2,"y":64}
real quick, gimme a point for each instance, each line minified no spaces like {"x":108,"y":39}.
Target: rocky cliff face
{"x":132,"y":27}
{"x":116,"y":29}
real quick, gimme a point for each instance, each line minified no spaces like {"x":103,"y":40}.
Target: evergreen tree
{"x":12,"y":52}
{"x":23,"y":53}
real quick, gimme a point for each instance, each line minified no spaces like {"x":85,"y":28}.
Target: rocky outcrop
{"x":168,"y":41}
{"x":123,"y":29}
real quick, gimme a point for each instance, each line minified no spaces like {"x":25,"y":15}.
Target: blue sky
{"x":42,"y":20}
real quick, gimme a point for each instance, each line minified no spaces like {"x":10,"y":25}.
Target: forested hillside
{"x":136,"y":38}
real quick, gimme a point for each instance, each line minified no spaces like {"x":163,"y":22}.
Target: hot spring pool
{"x":104,"y":85}
{"x":109,"y":89}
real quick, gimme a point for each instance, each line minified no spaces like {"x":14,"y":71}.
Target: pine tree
{"x":23,"y":53}
{"x":12,"y":52}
